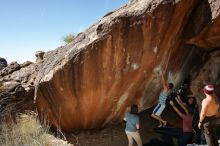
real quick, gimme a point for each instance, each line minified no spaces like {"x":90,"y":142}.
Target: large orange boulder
{"x":114,"y":63}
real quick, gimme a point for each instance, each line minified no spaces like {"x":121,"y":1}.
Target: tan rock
{"x":39,"y":56}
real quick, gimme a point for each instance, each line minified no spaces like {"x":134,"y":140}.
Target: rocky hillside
{"x":115,"y":63}
{"x":16,"y":88}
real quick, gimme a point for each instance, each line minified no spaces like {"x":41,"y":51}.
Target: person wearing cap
{"x":156,"y":114}
{"x":208,"y":116}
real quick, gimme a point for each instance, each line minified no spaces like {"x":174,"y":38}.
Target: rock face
{"x":13,"y":66}
{"x":209,"y":38}
{"x":3,"y":63}
{"x":209,"y":71}
{"x":115,"y":62}
{"x":39,"y":56}
{"x":215,"y":4}
{"x":16,"y":89}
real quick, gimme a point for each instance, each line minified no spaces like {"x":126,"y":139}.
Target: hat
{"x":208,"y":89}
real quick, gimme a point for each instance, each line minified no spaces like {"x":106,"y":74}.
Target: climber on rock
{"x":156,"y":114}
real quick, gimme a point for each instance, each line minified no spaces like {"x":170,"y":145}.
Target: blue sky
{"x":30,"y":25}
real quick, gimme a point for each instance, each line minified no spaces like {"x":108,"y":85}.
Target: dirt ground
{"x":114,"y":135}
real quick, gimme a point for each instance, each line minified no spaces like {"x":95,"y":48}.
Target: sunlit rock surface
{"x":16,"y":89}
{"x":115,"y":62}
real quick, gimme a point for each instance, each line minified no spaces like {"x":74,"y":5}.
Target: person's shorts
{"x":158,"y":109}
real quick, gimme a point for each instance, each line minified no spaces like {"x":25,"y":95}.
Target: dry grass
{"x":27,"y":131}
{"x":1,"y":88}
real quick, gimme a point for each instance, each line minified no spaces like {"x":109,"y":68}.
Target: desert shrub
{"x":68,"y":38}
{"x":27,"y":131}
{"x":1,"y":88}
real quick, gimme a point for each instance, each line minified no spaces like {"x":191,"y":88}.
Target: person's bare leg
{"x":159,"y":119}
{"x":160,"y":124}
